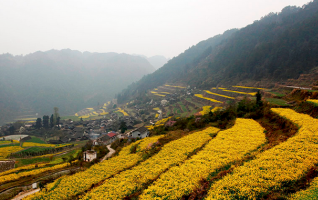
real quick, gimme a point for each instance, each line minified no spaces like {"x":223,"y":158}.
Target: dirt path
{"x":21,"y":196}
{"x":111,"y":152}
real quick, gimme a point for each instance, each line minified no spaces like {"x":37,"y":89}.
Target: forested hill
{"x":67,"y":79}
{"x":275,"y":48}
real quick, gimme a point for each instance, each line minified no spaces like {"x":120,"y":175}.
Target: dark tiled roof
{"x":142,"y":129}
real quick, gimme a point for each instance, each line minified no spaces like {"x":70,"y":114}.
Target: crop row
{"x":250,"y":93}
{"x":228,"y":146}
{"x":132,"y":180}
{"x":27,"y":167}
{"x":207,"y":91}
{"x":275,"y":168}
{"x":122,"y":111}
{"x":209,"y":99}
{"x":315,"y":101}
{"x":12,"y":177}
{"x":71,"y":186}
{"x":249,"y":87}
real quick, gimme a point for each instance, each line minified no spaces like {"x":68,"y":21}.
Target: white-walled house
{"x":89,"y":155}
{"x":141,"y":132}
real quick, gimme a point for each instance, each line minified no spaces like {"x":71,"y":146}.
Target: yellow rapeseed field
{"x":12,"y":177}
{"x":228,"y":146}
{"x":202,"y":97}
{"x":207,"y":91}
{"x":6,"y":151}
{"x":79,"y":182}
{"x":315,"y":101}
{"x":132,"y":180}
{"x":249,"y":87}
{"x":122,"y":111}
{"x":33,"y":144}
{"x":249,"y":93}
{"x":205,"y":110}
{"x":284,"y":163}
{"x":27,"y":167}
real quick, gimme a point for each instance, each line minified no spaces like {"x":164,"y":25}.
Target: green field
{"x":277,"y":94}
{"x":279,"y":102}
{"x":184,"y":109}
{"x":36,"y":149}
{"x":27,"y":161}
{"x":36,"y":140}
{"x":59,"y":159}
{"x":11,"y":144}
{"x":195,"y":103}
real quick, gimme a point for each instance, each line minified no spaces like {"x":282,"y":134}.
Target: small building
{"x":89,"y":155}
{"x":113,"y":136}
{"x":141,"y":132}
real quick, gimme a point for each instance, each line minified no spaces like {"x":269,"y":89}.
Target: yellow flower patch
{"x":249,"y":87}
{"x":315,"y":101}
{"x":6,"y":151}
{"x":250,"y":93}
{"x":122,"y":111}
{"x":205,"y":110}
{"x":202,"y":97}
{"x":286,"y":162}
{"x":207,"y":91}
{"x":127,"y":182}
{"x":79,"y":182}
{"x":228,"y":146}
{"x":11,"y":177}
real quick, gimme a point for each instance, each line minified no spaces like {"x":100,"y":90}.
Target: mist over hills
{"x":67,"y":79}
{"x":275,"y":48}
{"x":156,"y":61}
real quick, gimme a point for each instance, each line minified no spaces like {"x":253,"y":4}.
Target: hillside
{"x":67,"y":79}
{"x":263,"y":154}
{"x":273,"y":49}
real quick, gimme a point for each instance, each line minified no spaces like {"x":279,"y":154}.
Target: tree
{"x":259,"y":99}
{"x":11,"y":130}
{"x":56,"y":115}
{"x":51,"y":121}
{"x":58,"y":122}
{"x":38,"y":123}
{"x":46,"y":121}
{"x":123,"y":127}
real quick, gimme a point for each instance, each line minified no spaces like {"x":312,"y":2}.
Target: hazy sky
{"x":148,"y":27}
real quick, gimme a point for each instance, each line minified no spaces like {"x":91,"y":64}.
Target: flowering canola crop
{"x":250,"y":93}
{"x":228,"y":146}
{"x":205,"y":110}
{"x":272,"y":169}
{"x":315,"y":101}
{"x":122,"y":111}
{"x":27,"y":167}
{"x":5,"y":151}
{"x":132,"y":180}
{"x":12,"y":177}
{"x":79,"y":182}
{"x":250,"y":87}
{"x":202,"y":97}
{"x":207,"y":91}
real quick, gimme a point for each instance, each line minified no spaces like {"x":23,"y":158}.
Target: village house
{"x":89,"y":155}
{"x":141,"y":132}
